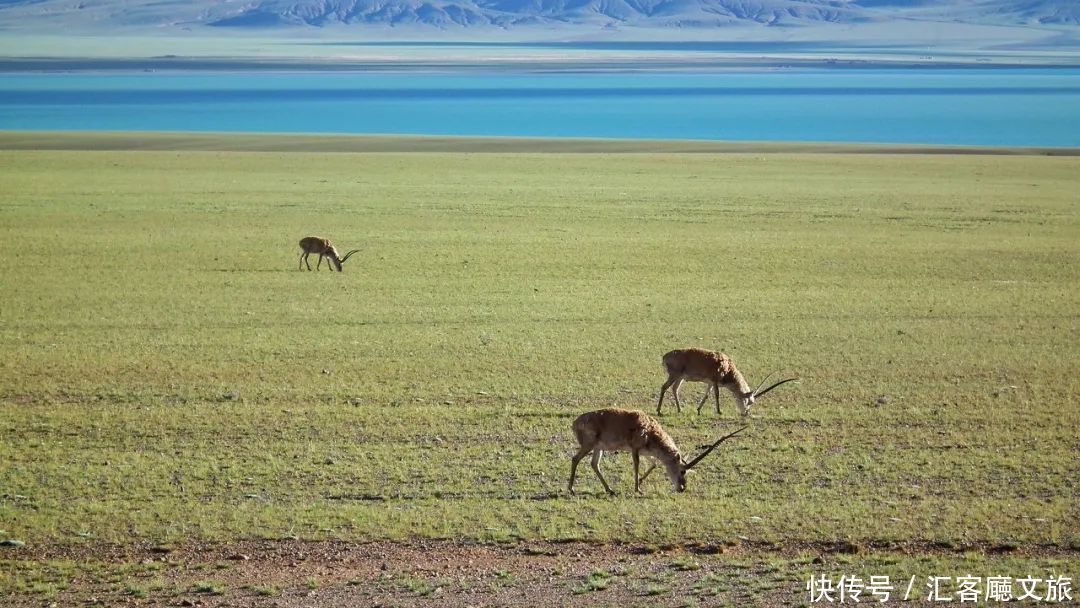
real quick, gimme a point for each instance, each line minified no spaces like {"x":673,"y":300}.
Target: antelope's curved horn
{"x":712,"y":447}
{"x":348,"y":254}
{"x":755,"y":391}
{"x":760,"y":393}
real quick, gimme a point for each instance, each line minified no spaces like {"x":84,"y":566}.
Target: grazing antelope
{"x":614,"y":430}
{"x":323,"y":247}
{"x":700,"y":365}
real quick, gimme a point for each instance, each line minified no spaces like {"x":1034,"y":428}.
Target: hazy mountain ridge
{"x":508,"y":14}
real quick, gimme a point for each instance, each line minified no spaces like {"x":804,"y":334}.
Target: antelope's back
{"x":313,"y":243}
{"x":696,"y":363}
{"x":613,"y":428}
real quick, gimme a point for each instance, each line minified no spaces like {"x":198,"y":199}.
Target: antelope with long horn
{"x":717,"y":369}
{"x":615,"y":430}
{"x":323,"y":247}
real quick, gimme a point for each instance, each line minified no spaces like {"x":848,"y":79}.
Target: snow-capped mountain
{"x":508,"y":14}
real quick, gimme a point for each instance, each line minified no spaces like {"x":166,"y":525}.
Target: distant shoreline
{"x":665,"y":62}
{"x":260,"y":142}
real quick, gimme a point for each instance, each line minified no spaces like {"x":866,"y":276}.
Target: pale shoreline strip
{"x":277,"y":142}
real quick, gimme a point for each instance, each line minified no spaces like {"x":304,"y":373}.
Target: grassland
{"x":170,"y":377}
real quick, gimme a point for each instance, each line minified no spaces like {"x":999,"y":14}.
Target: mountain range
{"x":511,"y":14}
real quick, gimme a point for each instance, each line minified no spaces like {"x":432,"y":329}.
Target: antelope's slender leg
{"x":596,"y":467}
{"x":675,"y":390}
{"x":573,"y":466}
{"x":716,"y":391}
{"x":304,"y":257}
{"x":637,"y":480}
{"x":319,"y":265}
{"x":663,"y":389}
{"x":652,"y":465}
{"x":704,"y":398}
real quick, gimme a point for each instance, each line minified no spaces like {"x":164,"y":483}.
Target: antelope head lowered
{"x":323,"y":247}
{"x":717,"y":369}
{"x":614,"y":430}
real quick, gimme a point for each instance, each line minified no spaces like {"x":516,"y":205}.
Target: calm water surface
{"x":996,"y":107}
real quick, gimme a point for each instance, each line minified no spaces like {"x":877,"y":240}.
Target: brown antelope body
{"x":619,"y":430}
{"x":717,"y":369}
{"x":323,"y":247}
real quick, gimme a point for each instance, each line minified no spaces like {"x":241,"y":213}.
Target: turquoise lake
{"x":988,"y":106}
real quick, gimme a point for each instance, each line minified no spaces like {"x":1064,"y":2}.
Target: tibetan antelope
{"x":323,"y":247}
{"x":615,"y":430}
{"x":700,"y":365}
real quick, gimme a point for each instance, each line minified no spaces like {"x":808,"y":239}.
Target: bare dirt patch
{"x":293,"y":573}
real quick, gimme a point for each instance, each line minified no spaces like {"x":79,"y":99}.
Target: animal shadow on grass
{"x":243,"y":270}
{"x":543,"y":414}
{"x":554,"y":495}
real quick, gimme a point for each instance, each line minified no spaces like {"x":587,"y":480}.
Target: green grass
{"x":170,"y":375}
{"x":417,"y":586}
{"x":597,"y":580}
{"x":686,"y":564}
{"x":208,"y":587}
{"x":266,"y":590}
